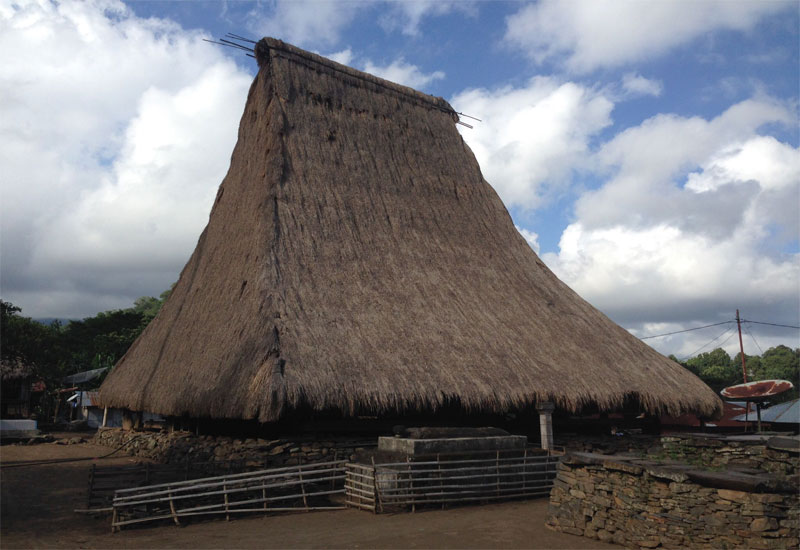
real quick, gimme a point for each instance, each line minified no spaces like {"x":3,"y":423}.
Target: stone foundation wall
{"x":179,"y":446}
{"x":716,"y":451}
{"x":733,"y":451}
{"x":643,"y":504}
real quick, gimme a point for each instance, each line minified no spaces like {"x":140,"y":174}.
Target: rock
{"x":277,"y":450}
{"x":649,"y":543}
{"x":763,"y":524}
{"x":604,"y":536}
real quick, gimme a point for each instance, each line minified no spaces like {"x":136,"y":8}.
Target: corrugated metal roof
{"x":83,"y":377}
{"x":782,"y":413}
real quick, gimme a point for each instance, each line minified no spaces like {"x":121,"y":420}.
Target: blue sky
{"x":648,"y":151}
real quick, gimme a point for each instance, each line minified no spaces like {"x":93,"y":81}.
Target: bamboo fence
{"x":292,"y":488}
{"x":442,"y":479}
{"x":105,"y":480}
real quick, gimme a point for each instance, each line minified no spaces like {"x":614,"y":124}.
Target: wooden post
{"x":225,"y":491}
{"x":302,"y":485}
{"x":758,"y":412}
{"x":335,"y":453}
{"x":441,"y":482}
{"x":411,"y":485}
{"x":172,"y":509}
{"x":741,"y":349}
{"x":546,"y":409}
{"x":114,"y":527}
{"x":497,"y":471}
{"x":525,"y":472}
{"x":105,"y":416}
{"x":377,"y":495}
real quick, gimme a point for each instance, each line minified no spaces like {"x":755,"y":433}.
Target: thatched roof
{"x":356,"y":259}
{"x":15,"y":369}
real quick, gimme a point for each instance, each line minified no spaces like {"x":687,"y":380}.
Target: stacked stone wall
{"x":730,"y":452}
{"x":180,"y":446}
{"x":643,"y":504}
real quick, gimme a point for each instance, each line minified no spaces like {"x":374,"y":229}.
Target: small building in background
{"x":780,"y":417}
{"x":17,"y":378}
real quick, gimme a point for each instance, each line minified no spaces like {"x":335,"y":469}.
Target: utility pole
{"x":741,"y":347}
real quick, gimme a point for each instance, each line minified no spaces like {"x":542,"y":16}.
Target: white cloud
{"x":636,"y":85}
{"x":685,"y":226}
{"x":305,"y":23}
{"x":345,"y":57}
{"x":531,"y":237}
{"x":407,"y":15}
{"x":532,"y":138}
{"x":403,"y":73}
{"x":647,"y":161}
{"x":591,"y":34}
{"x":117,"y":131}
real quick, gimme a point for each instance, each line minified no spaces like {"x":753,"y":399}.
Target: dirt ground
{"x":38,"y":503}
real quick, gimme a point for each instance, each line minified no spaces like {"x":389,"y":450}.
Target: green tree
{"x":91,"y":343}
{"x":715,"y":369}
{"x":29,"y":342}
{"x":752,"y":363}
{"x":781,"y":363}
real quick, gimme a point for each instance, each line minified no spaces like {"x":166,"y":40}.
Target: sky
{"x":647,"y":151}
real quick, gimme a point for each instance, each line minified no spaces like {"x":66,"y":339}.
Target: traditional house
{"x":17,"y":380}
{"x":355,"y":260}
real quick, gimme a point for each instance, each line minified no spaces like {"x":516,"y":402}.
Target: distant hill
{"x":50,"y":320}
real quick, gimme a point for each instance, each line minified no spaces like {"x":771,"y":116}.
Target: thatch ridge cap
{"x":265,"y":45}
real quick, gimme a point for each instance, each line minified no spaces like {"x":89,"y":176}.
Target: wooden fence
{"x":105,"y":480}
{"x":441,"y":479}
{"x":292,"y":488}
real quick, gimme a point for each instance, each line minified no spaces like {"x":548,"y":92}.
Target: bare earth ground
{"x":38,"y":502}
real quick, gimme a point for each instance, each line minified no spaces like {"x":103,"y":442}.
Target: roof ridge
{"x":292,"y":53}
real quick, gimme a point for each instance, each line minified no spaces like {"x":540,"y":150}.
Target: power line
{"x":770,"y":324}
{"x":725,"y":341}
{"x":729,"y":329}
{"x":685,"y":330}
{"x":753,"y":338}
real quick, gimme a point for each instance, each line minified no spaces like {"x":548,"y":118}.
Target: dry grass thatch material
{"x":355,"y":258}
{"x":15,"y":369}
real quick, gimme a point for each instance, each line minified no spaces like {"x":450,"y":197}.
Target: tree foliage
{"x":55,"y":350}
{"x":718,"y":370}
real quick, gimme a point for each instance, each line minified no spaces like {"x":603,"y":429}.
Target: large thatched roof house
{"x":356,"y":259}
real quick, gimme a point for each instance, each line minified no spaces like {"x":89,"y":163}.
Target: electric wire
{"x":753,"y":338}
{"x":685,"y":330}
{"x":770,"y":324}
{"x":732,"y":330}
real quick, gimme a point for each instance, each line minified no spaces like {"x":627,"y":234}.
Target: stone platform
{"x":416,"y":447}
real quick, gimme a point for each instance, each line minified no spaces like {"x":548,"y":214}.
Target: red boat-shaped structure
{"x":757,"y":391}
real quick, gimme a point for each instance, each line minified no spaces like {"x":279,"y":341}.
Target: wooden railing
{"x":441,"y":479}
{"x":293,"y":488}
{"x":105,"y":480}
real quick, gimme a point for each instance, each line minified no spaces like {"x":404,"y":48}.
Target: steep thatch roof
{"x":355,"y":258}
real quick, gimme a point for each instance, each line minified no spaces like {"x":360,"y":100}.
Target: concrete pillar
{"x":546,"y":409}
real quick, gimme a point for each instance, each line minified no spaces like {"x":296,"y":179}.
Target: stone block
{"x":763,"y":524}
{"x":415,"y":447}
{"x":733,"y":496}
